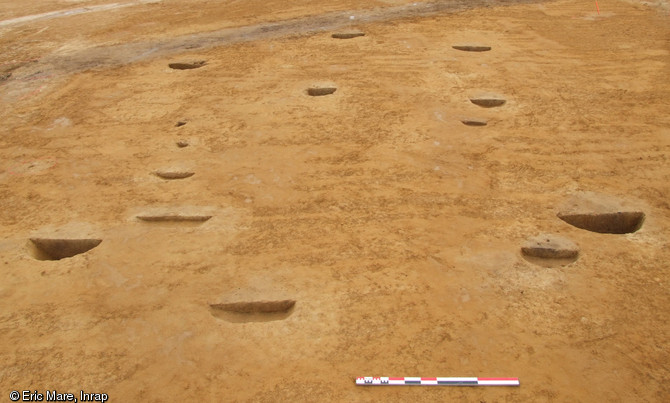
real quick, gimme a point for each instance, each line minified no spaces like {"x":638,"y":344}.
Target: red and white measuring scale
{"x":454,"y":381}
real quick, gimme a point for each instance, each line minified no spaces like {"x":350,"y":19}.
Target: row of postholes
{"x":544,"y":249}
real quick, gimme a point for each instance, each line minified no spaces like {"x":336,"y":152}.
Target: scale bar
{"x":449,"y":381}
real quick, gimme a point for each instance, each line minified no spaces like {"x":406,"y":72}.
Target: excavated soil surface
{"x":395,"y":226}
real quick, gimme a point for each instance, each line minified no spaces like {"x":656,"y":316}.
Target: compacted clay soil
{"x":221,"y":201}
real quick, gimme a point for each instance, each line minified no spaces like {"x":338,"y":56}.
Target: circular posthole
{"x":488,"y":100}
{"x":59,"y":248}
{"x":472,"y":48}
{"x":321,"y":91}
{"x":601,"y":213}
{"x":347,"y":35}
{"x":173,"y":174}
{"x":187,"y":65}
{"x":550,"y":250}
{"x":474,"y":122}
{"x":253,"y":311}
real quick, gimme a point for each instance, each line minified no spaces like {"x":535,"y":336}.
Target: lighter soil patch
{"x":57,"y":249}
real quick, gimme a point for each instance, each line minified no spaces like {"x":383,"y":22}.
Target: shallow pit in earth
{"x":174,"y":218}
{"x":187,"y":65}
{"x":623,"y":222}
{"x":253,"y":311}
{"x":60,"y":248}
{"x":347,"y":35}
{"x":472,"y":48}
{"x":321,"y":91}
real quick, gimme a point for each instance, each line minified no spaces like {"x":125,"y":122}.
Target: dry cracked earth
{"x":263,"y":200}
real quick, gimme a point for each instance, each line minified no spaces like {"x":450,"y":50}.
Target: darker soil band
{"x":123,"y":53}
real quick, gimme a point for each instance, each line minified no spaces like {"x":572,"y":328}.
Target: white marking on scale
{"x":442,"y":381}
{"x":458,"y":379}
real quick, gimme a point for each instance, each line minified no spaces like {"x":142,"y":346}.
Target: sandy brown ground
{"x":396,"y":228}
